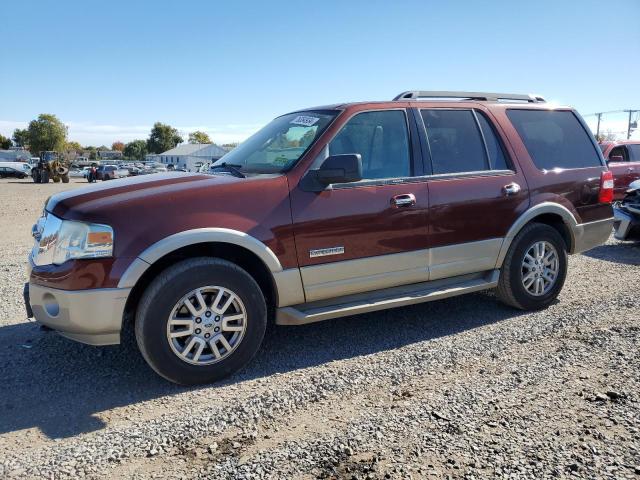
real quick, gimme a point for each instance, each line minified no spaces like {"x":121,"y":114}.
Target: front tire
{"x":200,"y":321}
{"x":534,"y":269}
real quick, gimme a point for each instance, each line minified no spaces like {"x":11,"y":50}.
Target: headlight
{"x":60,"y":240}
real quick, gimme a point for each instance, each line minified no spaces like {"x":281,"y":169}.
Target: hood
{"x":144,"y":210}
{"x":90,"y":200}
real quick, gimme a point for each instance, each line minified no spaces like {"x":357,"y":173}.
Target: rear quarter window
{"x":554,"y":139}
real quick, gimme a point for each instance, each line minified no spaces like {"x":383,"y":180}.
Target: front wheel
{"x":534,"y":269}
{"x":200,"y":321}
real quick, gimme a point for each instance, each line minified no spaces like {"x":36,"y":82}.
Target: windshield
{"x":279,"y":145}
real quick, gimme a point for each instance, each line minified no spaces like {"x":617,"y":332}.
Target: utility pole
{"x":629,"y":122}
{"x":599,"y":115}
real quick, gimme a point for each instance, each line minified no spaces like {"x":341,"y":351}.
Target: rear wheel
{"x":200,"y":321}
{"x":534,"y":270}
{"x":44,"y":176}
{"x":65,"y":178}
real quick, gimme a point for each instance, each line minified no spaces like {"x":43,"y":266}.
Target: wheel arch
{"x":240,"y":248}
{"x":552,"y":214}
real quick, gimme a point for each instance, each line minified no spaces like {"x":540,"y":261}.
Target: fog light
{"x":51,"y":305}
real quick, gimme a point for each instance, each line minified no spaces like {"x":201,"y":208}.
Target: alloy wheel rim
{"x":540,"y":267}
{"x":206,"y":325}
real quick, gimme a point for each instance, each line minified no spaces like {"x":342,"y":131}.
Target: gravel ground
{"x":460,"y":388}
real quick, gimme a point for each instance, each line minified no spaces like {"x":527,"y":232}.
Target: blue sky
{"x":111,"y":69}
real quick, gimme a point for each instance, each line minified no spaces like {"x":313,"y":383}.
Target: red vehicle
{"x":324,"y":213}
{"x":623,"y":159}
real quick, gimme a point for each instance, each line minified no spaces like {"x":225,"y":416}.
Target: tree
{"x":117,"y":145}
{"x":162,"y":138}
{"x":199,"y":137}
{"x":47,"y":133}
{"x":21,"y":137}
{"x":136,"y":149}
{"x":5,"y":143}
{"x":73,"y":147}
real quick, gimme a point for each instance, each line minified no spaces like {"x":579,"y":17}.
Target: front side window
{"x":555,"y":139}
{"x":279,"y":145}
{"x":455,"y":142}
{"x":382,"y":140}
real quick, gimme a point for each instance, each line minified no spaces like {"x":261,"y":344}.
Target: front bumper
{"x":88,"y":316}
{"x":626,"y":225}
{"x":592,"y":234}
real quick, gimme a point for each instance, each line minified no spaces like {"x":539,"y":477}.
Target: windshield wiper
{"x":230,"y":167}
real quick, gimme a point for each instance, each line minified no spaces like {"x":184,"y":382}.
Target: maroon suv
{"x":325,"y":212}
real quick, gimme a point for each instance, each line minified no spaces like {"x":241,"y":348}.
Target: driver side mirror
{"x":345,"y":168}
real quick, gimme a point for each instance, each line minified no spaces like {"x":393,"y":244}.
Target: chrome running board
{"x":386,"y":298}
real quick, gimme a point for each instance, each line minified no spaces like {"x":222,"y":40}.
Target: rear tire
{"x":65,"y":178}
{"x":165,"y":347}
{"x":515,"y":287}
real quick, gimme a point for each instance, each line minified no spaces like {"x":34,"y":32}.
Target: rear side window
{"x":497,"y":158}
{"x":454,"y":141}
{"x":621,"y":153}
{"x":554,"y":139}
{"x":634,"y":150}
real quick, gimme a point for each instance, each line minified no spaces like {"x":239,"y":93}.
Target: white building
{"x":191,"y":156}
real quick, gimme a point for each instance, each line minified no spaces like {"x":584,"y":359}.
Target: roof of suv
{"x":462,"y":98}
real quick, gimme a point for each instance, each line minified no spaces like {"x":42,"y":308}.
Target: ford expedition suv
{"x":623,"y":159}
{"x":326,"y":212}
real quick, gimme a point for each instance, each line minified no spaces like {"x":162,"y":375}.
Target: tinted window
{"x":454,"y":141}
{"x":634,"y":150}
{"x":381,"y":139}
{"x":619,"y":152}
{"x":497,"y":158}
{"x":554,"y":139}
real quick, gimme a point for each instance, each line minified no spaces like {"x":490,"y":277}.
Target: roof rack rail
{"x":483,"y":96}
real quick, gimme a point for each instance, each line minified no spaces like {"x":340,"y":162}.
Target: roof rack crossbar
{"x":482,"y":96}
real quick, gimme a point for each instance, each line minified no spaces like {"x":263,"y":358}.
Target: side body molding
{"x":539,"y":209}
{"x":288,"y":282}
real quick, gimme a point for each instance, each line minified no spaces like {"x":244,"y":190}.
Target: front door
{"x":475,"y":191}
{"x":371,"y":234}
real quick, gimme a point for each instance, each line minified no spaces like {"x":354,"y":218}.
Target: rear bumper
{"x":589,"y":235}
{"x":87,"y":316}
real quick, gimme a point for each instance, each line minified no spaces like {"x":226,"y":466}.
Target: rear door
{"x":634,"y":154}
{"x":476,"y":192}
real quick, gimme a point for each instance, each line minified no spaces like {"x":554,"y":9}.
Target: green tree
{"x":21,"y":137}
{"x":136,"y":149}
{"x":162,"y":138}
{"x":47,"y":133}
{"x":117,"y":145}
{"x":5,"y":143}
{"x":73,"y":147}
{"x":199,"y":137}
{"x":92,"y":152}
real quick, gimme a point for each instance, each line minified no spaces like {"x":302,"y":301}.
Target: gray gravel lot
{"x":460,"y":388}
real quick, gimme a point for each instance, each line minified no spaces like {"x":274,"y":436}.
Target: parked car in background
{"x":627,"y":214}
{"x":7,"y":172}
{"x":110,"y":172}
{"x":623,"y":159}
{"x":21,"y":169}
{"x":324,"y":213}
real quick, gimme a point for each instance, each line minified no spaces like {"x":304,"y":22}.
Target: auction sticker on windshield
{"x":304,"y":120}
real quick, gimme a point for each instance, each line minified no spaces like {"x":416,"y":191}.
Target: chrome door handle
{"x":511,"y":189}
{"x":403,"y":200}
{"x":630,"y":169}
